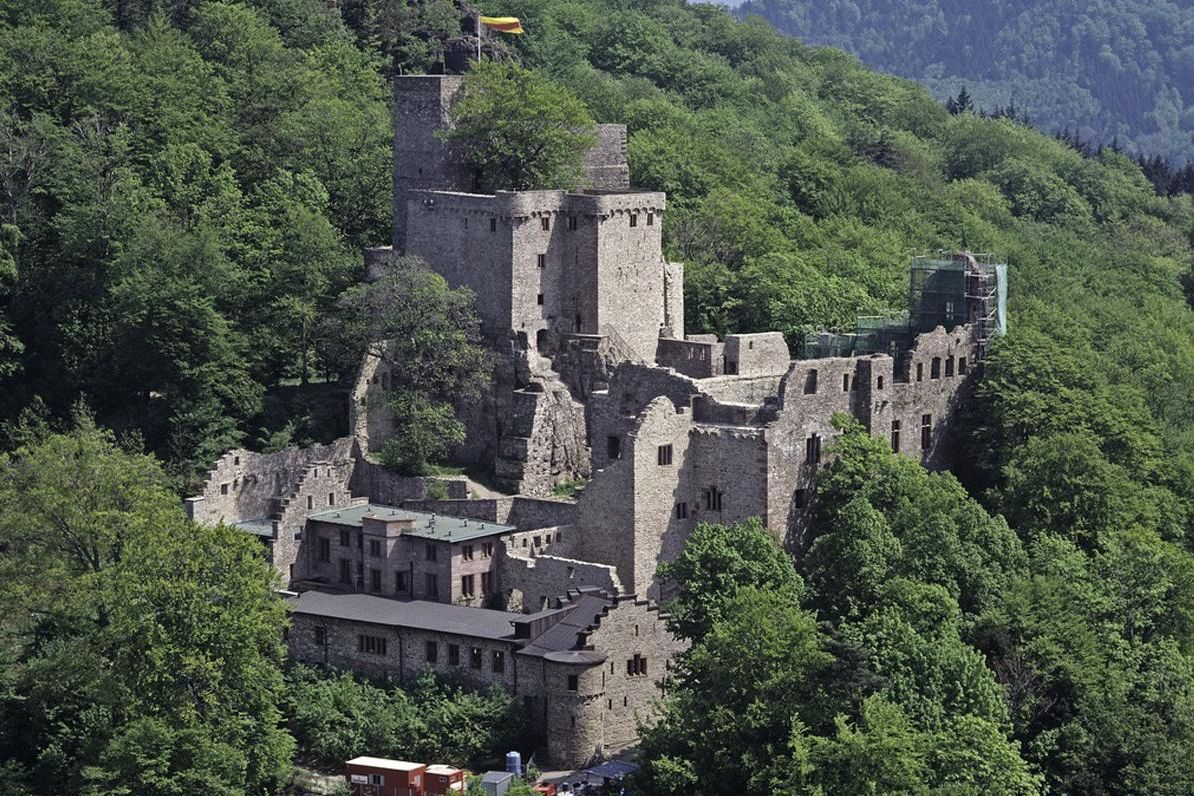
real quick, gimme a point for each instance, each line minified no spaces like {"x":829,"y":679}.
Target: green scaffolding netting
{"x":947,"y":289}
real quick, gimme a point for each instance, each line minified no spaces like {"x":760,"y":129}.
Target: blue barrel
{"x":514,"y":763}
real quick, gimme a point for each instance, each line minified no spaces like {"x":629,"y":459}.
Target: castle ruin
{"x":599,"y":381}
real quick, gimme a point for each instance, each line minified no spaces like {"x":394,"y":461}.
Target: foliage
{"x":1122,"y":71}
{"x":520,"y":131}
{"x":428,"y":338}
{"x":335,"y":717}
{"x":142,"y":651}
{"x":717,"y":562}
{"x":182,"y":199}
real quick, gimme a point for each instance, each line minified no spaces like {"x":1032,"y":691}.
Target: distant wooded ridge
{"x":1108,"y":70}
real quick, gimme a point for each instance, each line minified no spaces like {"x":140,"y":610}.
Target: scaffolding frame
{"x":945,"y":289}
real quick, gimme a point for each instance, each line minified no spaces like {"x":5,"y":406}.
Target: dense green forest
{"x":1109,"y":70}
{"x":185,"y":191}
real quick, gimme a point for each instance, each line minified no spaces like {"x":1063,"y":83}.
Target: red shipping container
{"x":376,"y":776}
{"x":444,"y":780}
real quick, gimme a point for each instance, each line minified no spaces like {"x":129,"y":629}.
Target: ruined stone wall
{"x":932,"y":383}
{"x":606,"y":518}
{"x":529,"y":513}
{"x":733,"y":461}
{"x":525,"y":513}
{"x":321,"y":485}
{"x":876,"y":393}
{"x":389,"y":488}
{"x":699,"y":359}
{"x":422,"y":160}
{"x":556,"y":540}
{"x":706,"y":409}
{"x":531,"y":582}
{"x":673,"y":293}
{"x":634,"y":627}
{"x":659,"y":453}
{"x":242,"y":484}
{"x":756,"y":354}
{"x":606,"y":166}
{"x":742,"y":389}
{"x":369,"y":416}
{"x":633,"y":386}
{"x":542,"y":440}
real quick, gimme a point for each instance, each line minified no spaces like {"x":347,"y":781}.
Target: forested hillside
{"x":186,"y":188}
{"x":1109,"y":70}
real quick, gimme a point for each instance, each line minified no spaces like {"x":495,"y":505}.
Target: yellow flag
{"x":504,"y":24}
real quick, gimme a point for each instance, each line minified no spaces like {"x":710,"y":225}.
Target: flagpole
{"x":478,"y":37}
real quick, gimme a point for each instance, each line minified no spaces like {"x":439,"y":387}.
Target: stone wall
{"x":756,"y":354}
{"x":634,"y":627}
{"x":541,"y":440}
{"x":557,"y":540}
{"x":525,"y":513}
{"x":321,"y":485}
{"x":391,"y":489}
{"x":242,"y":485}
{"x":531,"y":582}
{"x":758,"y":457}
{"x":406,"y":652}
{"x":606,"y":166}
{"x":661,"y":485}
{"x":369,"y":416}
{"x":699,"y":359}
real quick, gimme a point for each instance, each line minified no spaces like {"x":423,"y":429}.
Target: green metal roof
{"x":437,"y":527}
{"x":263,"y":527}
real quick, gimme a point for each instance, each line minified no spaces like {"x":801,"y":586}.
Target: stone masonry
{"x":589,"y":669}
{"x":596,"y":380}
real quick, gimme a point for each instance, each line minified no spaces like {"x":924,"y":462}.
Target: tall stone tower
{"x":422,"y":161}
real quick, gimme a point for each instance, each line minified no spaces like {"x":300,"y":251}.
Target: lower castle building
{"x":588,"y":671}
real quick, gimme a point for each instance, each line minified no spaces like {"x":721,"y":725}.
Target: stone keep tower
{"x":422,"y":161}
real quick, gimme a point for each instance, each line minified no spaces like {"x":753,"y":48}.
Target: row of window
{"x":546,"y":539}
{"x":466,"y":551}
{"x":378,"y":645}
{"x":935,"y":368}
{"x":545,"y":222}
{"x":850,"y":384}
{"x":711,"y":497}
{"x":926,"y":433}
{"x":376,"y":549}
{"x":497,"y":659}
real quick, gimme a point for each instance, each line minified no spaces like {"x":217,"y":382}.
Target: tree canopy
{"x":141,"y":652}
{"x":428,"y":338}
{"x":1121,"y":72}
{"x":519,"y":130}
